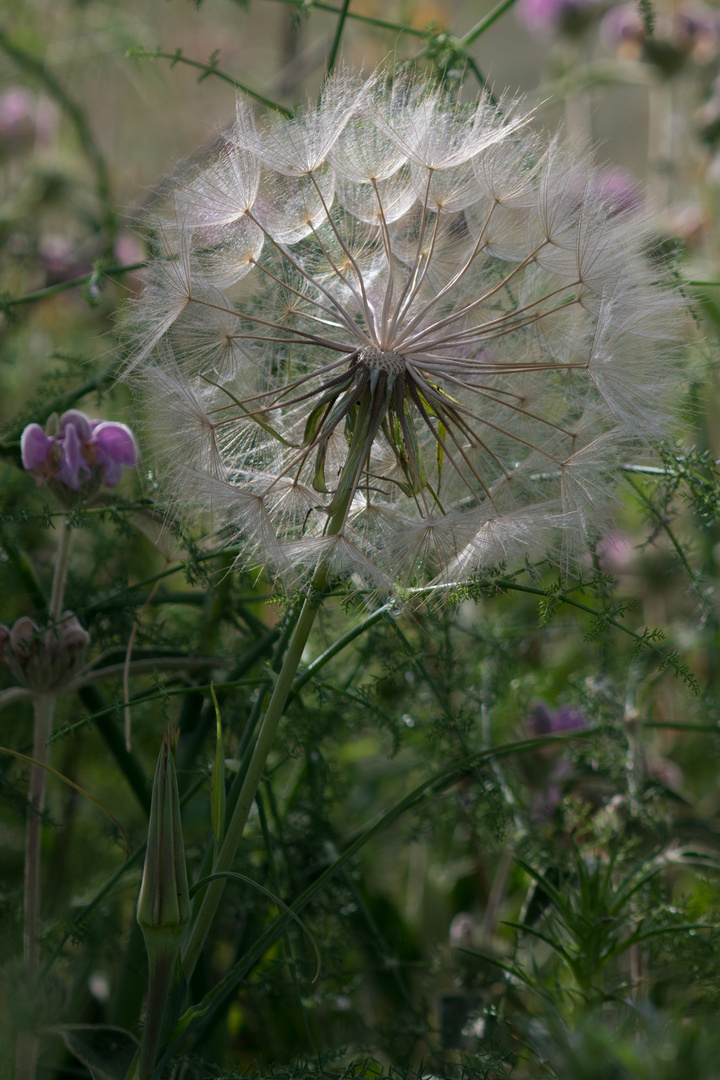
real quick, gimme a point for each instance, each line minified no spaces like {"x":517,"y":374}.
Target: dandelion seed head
{"x":401,"y":335}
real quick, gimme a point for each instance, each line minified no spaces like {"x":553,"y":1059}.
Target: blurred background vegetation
{"x":548,"y":911}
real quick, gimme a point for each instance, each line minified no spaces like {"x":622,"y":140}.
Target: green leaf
{"x":319,"y":477}
{"x":217,"y":995}
{"x":440,"y":450}
{"x":271,"y":896}
{"x":554,"y":945}
{"x":108,"y":1052}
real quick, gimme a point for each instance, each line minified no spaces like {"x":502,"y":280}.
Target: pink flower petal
{"x":114,"y":442}
{"x":73,"y":463}
{"x":35,"y":447}
{"x":78,"y":420}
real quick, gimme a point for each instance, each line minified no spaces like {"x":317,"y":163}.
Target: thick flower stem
{"x":27,"y":1041}
{"x":366,"y":423}
{"x":44,"y":709}
{"x":266,"y":737}
{"x":160,"y":984}
{"x":347,"y":482}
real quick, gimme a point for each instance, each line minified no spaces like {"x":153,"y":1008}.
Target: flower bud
{"x":164,"y":902}
{"x":44,"y":660}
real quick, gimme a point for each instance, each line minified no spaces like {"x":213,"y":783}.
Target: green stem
{"x":160,"y":982}
{"x":62,"y":560}
{"x":266,"y":737}
{"x":365,"y":425}
{"x":312,"y":669}
{"x":338,"y":35}
{"x":487,"y":22}
{"x":208,"y":69}
{"x":63,"y":286}
{"x":383,"y":24}
{"x":44,"y":707}
{"x":27,"y":1042}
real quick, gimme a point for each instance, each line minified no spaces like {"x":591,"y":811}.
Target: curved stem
{"x":266,"y":737}
{"x":360,"y":446}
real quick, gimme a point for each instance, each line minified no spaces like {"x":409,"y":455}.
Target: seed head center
{"x":380,"y":360}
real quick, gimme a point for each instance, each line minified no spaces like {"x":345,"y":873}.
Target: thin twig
{"x":338,"y":35}
{"x":77,"y":117}
{"x":63,"y":286}
{"x":208,"y":69}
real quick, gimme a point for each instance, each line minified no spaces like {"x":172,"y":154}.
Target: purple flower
{"x":37,"y":449}
{"x":73,"y":466}
{"x":621,"y":190}
{"x":623,"y":25}
{"x":548,"y":772}
{"x":76,"y":452}
{"x":115,"y":446}
{"x":17,"y":118}
{"x":546,"y":17}
{"x":545,"y":721}
{"x":691,"y":31}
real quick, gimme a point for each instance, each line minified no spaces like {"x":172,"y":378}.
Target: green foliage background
{"x":484,"y":903}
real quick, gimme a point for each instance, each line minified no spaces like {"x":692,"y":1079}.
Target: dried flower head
{"x":400,"y":334}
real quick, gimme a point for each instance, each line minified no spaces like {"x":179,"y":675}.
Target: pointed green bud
{"x":217,"y":783}
{"x":164,"y":902}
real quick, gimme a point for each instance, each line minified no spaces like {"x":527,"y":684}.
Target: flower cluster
{"x":400,"y":335}
{"x":78,"y":453}
{"x":570,"y":17}
{"x":43,"y":659}
{"x":690,"y":32}
{"x":548,"y":770}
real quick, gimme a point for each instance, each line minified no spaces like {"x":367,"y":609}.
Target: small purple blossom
{"x":548,"y":772}
{"x":693,"y":31}
{"x":546,"y":17}
{"x":77,"y":452}
{"x":114,"y":446}
{"x":25,"y":120}
{"x":621,"y":190}
{"x":545,"y":721}
{"x":623,"y":25}
{"x":615,"y":553}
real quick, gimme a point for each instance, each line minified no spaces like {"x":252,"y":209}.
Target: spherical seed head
{"x":401,"y":335}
